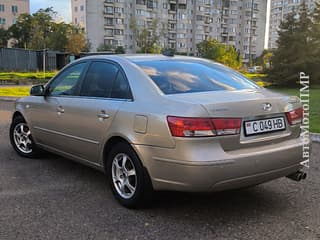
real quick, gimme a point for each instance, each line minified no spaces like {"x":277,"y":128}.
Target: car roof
{"x":142,"y":57}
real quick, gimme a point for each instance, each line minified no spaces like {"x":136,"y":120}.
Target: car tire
{"x":21,"y":138}
{"x":129,"y":180}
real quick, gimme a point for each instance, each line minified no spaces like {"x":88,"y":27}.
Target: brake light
{"x":295,"y":116}
{"x":203,"y":127}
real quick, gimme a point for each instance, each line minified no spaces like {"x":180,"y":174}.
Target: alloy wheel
{"x":22,"y":138}
{"x":124,"y":175}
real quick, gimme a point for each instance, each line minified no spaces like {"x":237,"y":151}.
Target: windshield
{"x":180,"y":76}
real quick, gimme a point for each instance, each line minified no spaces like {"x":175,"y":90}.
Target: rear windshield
{"x":176,"y":76}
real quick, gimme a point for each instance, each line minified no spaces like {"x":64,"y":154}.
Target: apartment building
{"x":278,"y":11}
{"x":10,"y":10}
{"x":181,"y":23}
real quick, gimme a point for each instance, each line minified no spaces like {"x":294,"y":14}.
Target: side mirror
{"x":37,"y":90}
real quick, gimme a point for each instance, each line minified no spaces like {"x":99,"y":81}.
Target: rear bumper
{"x":199,"y":168}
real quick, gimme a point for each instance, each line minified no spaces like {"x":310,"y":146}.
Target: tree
{"x":120,"y":50}
{"x":315,"y":45}
{"x":225,"y":54}
{"x":42,"y":26}
{"x":104,"y":47}
{"x":146,"y":39}
{"x":76,"y":41}
{"x":294,"y":48}
{"x":209,"y":49}
{"x":57,"y":37}
{"x":39,"y":31}
{"x":229,"y":56}
{"x":21,"y":30}
{"x":4,"y":37}
{"x":264,"y":59}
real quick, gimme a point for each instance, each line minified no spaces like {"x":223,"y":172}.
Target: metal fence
{"x":14,"y":59}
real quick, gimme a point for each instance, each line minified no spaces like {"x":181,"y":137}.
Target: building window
{"x":14,"y":9}
{"x":2,"y":21}
{"x":181,"y":16}
{"x":108,"y":10}
{"x":109,"y":32}
{"x":200,"y":37}
{"x":118,"y":10}
{"x":2,"y":8}
{"x":81,"y":8}
{"x":118,"y":32}
{"x":139,"y":12}
{"x":181,"y":26}
{"x":181,"y":45}
{"x":119,"y":21}
{"x":76,"y":9}
{"x":109,"y":21}
{"x":182,"y":6}
{"x":140,"y":22}
{"x":141,"y":2}
{"x":200,"y":27}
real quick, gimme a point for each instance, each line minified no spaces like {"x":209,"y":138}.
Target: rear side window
{"x":176,"y":76}
{"x":121,"y":89}
{"x":99,"y":80}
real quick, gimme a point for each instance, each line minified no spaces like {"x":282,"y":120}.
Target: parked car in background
{"x":154,"y":122}
{"x":255,"y":69}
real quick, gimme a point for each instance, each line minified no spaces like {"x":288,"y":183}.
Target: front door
{"x":82,"y":121}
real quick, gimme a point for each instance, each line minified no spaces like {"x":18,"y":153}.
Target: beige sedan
{"x":154,"y":122}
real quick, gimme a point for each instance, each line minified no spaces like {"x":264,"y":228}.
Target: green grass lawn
{"x":14,"y":91}
{"x":314,"y":104}
{"x":25,"y":75}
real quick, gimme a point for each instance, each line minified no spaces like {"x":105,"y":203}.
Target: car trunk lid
{"x":249,"y":105}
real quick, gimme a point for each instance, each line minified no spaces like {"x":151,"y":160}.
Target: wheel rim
{"x":124,"y":175}
{"x":22,"y":138}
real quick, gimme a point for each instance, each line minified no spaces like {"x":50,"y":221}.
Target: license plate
{"x":264,"y":126}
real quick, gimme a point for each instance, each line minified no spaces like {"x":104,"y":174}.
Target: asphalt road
{"x":54,"y":198}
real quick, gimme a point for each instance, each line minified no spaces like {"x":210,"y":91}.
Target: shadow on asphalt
{"x":253,"y":199}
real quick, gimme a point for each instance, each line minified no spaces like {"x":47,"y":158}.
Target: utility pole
{"x":44,"y":62}
{"x":250,"y":32}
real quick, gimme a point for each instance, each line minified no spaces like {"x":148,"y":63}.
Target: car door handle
{"x":60,"y":109}
{"x":103,"y":115}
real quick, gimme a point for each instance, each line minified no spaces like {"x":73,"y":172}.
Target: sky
{"x":63,"y":7}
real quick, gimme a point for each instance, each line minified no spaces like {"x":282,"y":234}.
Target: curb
{"x":315,"y":137}
{"x":8,"y":99}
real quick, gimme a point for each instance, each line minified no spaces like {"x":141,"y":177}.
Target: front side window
{"x":68,"y":81}
{"x":177,"y":76}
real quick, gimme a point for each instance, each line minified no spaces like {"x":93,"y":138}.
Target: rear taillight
{"x":203,"y":127}
{"x":295,"y":116}
{"x":227,"y":126}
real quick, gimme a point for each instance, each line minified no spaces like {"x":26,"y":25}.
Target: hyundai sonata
{"x":154,"y":122}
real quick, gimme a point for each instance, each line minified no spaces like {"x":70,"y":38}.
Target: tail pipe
{"x":297,"y":176}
